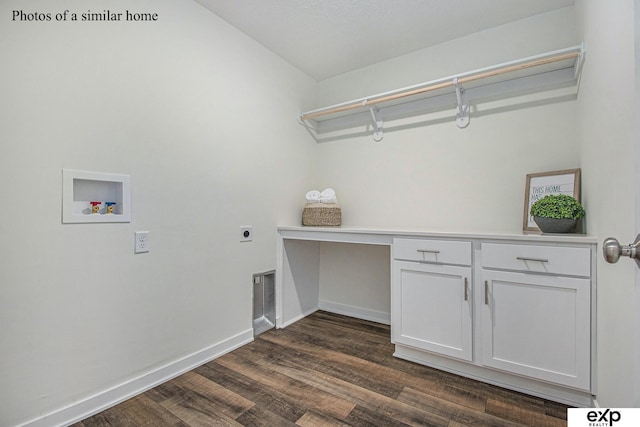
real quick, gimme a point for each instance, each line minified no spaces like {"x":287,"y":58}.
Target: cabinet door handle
{"x":466,"y":289}
{"x":429,"y":251}
{"x":522,"y":258}
{"x":486,"y":293}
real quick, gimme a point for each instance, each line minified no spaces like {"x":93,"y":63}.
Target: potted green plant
{"x":557,"y":213}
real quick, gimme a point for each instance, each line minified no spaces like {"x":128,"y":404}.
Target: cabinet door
{"x":432,"y":308}
{"x":537,"y":326}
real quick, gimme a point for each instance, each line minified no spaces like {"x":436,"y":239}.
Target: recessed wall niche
{"x":89,"y":197}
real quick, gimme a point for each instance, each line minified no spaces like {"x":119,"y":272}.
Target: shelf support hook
{"x":462,"y":117}
{"x":577,"y":67}
{"x":310,"y":128}
{"x":377,"y":125}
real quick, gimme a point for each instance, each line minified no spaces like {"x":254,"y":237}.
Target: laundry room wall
{"x":202,"y":118}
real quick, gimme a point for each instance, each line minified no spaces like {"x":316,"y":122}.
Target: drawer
{"x":571,"y":261}
{"x":435,"y":251}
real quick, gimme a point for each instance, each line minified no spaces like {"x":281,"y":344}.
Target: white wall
{"x":439,"y":177}
{"x":606,"y":112}
{"x":203,"y":119}
{"x":350,"y":289}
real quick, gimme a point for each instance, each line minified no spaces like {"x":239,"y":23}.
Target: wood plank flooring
{"x":326,"y":370}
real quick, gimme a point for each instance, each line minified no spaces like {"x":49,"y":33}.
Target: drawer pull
{"x":466,"y":289}
{"x":428,"y":251}
{"x":486,"y":293}
{"x":525,"y":259}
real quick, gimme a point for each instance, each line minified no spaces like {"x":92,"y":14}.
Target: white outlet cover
{"x":142,"y":242}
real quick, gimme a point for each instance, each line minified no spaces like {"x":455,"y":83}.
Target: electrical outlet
{"x":246,"y":233}
{"x":142,"y":242}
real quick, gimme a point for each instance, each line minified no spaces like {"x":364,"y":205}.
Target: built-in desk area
{"x":513,"y":310}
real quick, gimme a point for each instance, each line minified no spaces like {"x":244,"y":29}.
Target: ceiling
{"x":325,"y":38}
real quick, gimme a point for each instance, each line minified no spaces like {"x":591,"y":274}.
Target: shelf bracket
{"x":304,"y":123}
{"x":462,"y":118}
{"x":310,"y":128}
{"x":577,"y":67}
{"x":377,"y":125}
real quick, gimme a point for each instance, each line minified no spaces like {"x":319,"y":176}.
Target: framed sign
{"x":545,"y":183}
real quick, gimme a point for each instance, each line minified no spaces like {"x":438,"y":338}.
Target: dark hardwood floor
{"x":326,"y":370}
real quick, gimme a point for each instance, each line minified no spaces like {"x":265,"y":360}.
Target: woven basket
{"x":322,"y":214}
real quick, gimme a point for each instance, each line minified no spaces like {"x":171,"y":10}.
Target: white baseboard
{"x":97,"y":403}
{"x":550,"y":391}
{"x":294,"y":319}
{"x":357,"y":312}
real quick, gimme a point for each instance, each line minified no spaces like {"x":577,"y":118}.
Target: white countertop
{"x":340,"y":234}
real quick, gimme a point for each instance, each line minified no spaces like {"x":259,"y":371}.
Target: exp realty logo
{"x":603,"y":417}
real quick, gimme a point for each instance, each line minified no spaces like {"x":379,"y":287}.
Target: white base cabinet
{"x":519,"y":315}
{"x":431,"y":303}
{"x":537,"y":326}
{"x":432,"y":308}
